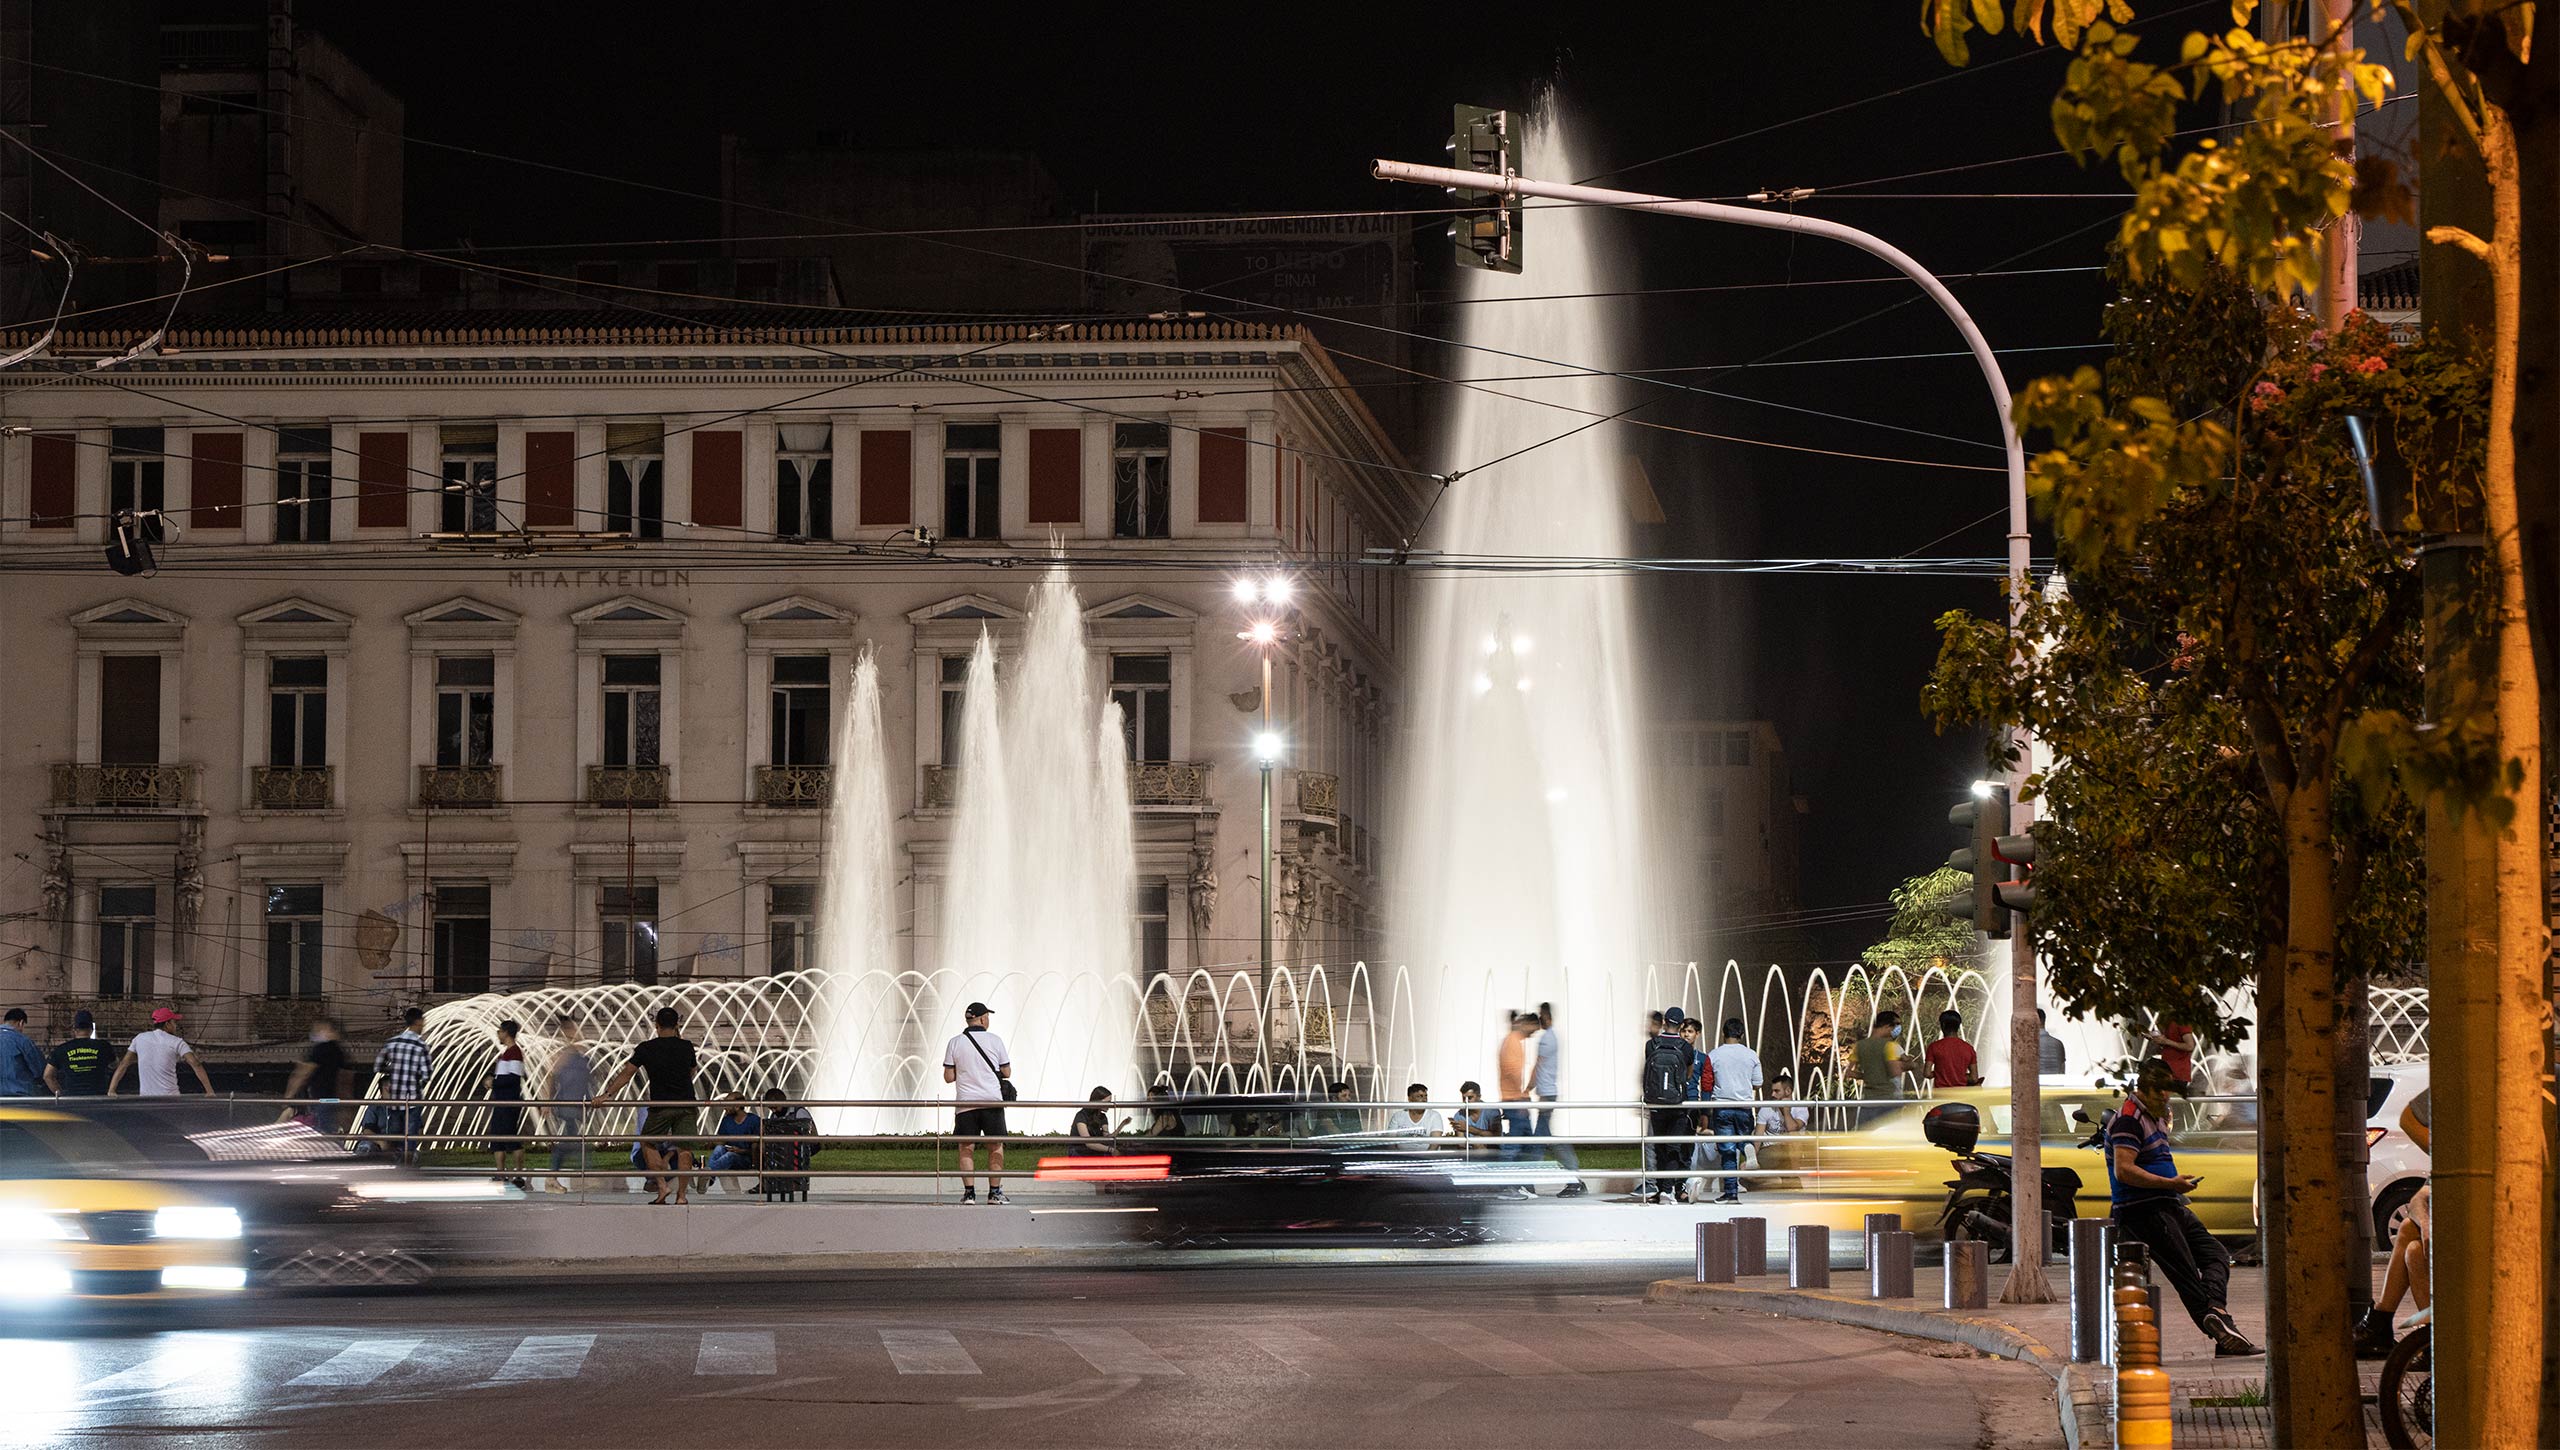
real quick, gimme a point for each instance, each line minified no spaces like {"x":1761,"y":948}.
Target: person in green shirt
{"x":1880,"y":1064}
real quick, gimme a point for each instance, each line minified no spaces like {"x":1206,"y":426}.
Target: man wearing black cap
{"x":77,"y":1066}
{"x":977,"y":1066}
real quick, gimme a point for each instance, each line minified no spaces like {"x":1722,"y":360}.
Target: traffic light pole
{"x":2026,"y":1284}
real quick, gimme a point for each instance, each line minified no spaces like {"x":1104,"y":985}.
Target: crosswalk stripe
{"x":1659,"y":1344}
{"x":926,"y":1351}
{"x":739,"y":1352}
{"x":360,"y":1363}
{"x":1288,"y":1344}
{"x":1115,"y":1351}
{"x":546,"y":1357}
{"x":1490,"y":1350}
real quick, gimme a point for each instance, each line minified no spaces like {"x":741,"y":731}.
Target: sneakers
{"x":2228,"y":1341}
{"x":1729,"y":1198}
{"x":995,"y":1195}
{"x":968,"y":1193}
{"x":1572,"y":1190}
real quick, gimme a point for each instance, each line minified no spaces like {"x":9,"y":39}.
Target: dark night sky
{"x":1155,"y":108}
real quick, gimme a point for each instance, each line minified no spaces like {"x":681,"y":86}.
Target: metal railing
{"x":792,"y":787}
{"x":292,"y":787}
{"x":162,"y":787}
{"x":627,"y":785}
{"x":477,"y":786}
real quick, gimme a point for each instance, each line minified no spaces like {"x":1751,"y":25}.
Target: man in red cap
{"x":155,"y":1055}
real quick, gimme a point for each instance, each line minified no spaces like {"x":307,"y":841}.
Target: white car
{"x":2395,"y":1167}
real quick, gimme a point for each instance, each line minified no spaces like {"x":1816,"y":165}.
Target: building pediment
{"x":798,"y":610}
{"x":294,"y":611}
{"x":128,"y":612}
{"x":463,"y":612}
{"x":627,"y":609}
{"x":1140,"y":606}
{"x":968,"y":608}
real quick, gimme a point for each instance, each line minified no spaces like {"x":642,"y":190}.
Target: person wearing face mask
{"x":2149,"y":1198}
{"x":318,"y":1081}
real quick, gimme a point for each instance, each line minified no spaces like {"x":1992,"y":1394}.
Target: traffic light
{"x":2018,"y":895}
{"x":1483,"y":140}
{"x":1981,"y":818}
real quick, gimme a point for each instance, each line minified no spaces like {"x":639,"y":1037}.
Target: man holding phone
{"x":2149,"y":1195}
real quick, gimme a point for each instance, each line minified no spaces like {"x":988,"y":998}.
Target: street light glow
{"x":1266,"y":746}
{"x":1246,"y":591}
{"x":1982,"y":789}
{"x":1263,"y":631}
{"x":1276,"y":589}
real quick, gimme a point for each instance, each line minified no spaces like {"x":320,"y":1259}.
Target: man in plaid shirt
{"x":400,"y":1076}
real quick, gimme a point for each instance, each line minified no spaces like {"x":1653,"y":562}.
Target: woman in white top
{"x":506,"y":1091}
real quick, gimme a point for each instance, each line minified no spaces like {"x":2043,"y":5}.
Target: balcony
{"x":145,"y":787}
{"x":286,"y":1018}
{"x":941,"y":787}
{"x":118,"y":1017}
{"x":472,"y":787}
{"x":292,"y":787}
{"x":1319,"y":797}
{"x":643,"y":786}
{"x":1183,"y":784}
{"x":792,"y":787}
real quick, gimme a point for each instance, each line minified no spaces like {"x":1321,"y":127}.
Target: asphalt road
{"x":1403,"y":1355}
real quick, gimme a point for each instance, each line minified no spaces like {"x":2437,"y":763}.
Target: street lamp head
{"x":1277,"y":589}
{"x":1982,"y":789}
{"x":1262,"y":632}
{"x":1266,"y":746}
{"x":1247,"y":591}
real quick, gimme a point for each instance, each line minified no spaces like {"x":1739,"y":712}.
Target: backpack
{"x":1666,"y":1071}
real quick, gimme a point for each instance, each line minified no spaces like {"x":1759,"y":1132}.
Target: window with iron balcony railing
{"x":292,"y":787}
{"x":792,"y":787}
{"x":1182,"y":783}
{"x":459,"y":785}
{"x":627,"y":785}
{"x":160,"y":787}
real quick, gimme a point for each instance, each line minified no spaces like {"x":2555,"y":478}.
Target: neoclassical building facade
{"x":508,"y":650}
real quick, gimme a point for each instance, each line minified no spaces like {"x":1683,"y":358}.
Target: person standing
{"x":1737,"y":1070}
{"x":668,"y":1059}
{"x":980,"y":1071}
{"x":1669,"y":1067}
{"x":573,"y":1081}
{"x":506,"y":1103}
{"x":1702,"y":1081}
{"x":1511,"y":1080}
{"x":2149,"y":1197}
{"x":154,"y":1056}
{"x":77,"y":1067}
{"x":1546,"y":1079}
{"x":319,"y":1080}
{"x":1950,"y":1058}
{"x":2051,"y":1060}
{"x":2177,"y":1044}
{"x":400,"y":1072}
{"x":1880,"y":1065}
{"x":21,"y":1061}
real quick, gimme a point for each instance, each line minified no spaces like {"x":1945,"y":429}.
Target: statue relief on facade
{"x":1204,"y":890}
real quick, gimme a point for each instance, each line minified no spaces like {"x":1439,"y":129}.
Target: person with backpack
{"x":1670,"y":1069}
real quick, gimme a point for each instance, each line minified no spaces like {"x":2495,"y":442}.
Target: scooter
{"x":1978,"y":1197}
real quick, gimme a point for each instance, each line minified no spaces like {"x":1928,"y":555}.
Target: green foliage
{"x":2230,"y":611}
{"x":1923,"y":936}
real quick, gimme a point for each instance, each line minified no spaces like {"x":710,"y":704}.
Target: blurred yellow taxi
{"x":1884,"y":1155}
{"x":80,"y":1216}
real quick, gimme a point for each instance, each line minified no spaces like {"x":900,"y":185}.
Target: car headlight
{"x":195,"y":1222}
{"x":203,"y":1276}
{"x":27,"y":1225}
{"x":33,"y":1279}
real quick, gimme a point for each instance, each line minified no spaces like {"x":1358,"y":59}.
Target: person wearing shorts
{"x":668,"y":1059}
{"x":977,"y":1066}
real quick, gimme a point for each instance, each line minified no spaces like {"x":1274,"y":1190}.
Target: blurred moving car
{"x":1272,"y":1171}
{"x":2396,"y":1167}
{"x":308,"y":1214}
{"x":1888,"y":1156}
{"x":72,"y":1222}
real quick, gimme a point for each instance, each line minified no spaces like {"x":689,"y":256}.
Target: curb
{"x":2075,"y":1396}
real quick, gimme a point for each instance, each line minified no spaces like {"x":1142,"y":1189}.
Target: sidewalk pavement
{"x":2214,"y":1403}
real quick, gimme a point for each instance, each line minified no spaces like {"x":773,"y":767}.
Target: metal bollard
{"x":2142,"y":1386}
{"x":1876,"y":1223}
{"x":1968,"y":1274}
{"x":1750,"y":1247}
{"x":1715,"y":1253}
{"x":1808,"y":1256}
{"x":2089,"y":1300}
{"x":1889,"y":1265}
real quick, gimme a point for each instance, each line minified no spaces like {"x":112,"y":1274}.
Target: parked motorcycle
{"x":1978,"y":1197}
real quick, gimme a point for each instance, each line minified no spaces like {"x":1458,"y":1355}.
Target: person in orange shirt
{"x":1511,"y":1080}
{"x":1950,"y":1058}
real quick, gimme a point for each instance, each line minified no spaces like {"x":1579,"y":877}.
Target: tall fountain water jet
{"x":868,"y":1038}
{"x":1523,"y":830}
{"x":1036,"y":919}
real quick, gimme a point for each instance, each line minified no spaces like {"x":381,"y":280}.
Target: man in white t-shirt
{"x":1417,"y":1122}
{"x":155,"y":1055}
{"x":977,"y":1065}
{"x":1737,"y":1070}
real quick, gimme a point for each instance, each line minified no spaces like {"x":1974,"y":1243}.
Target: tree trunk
{"x":2311,"y":1369}
{"x":2512,"y":1171}
{"x":2354,"y":1068}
